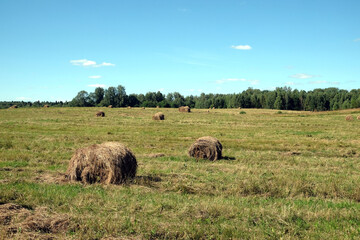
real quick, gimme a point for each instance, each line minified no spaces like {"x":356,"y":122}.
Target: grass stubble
{"x":293,"y":175}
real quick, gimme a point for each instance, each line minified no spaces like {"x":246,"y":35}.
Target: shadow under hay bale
{"x":184,"y":109}
{"x":349,"y":118}
{"x":158,"y":116}
{"x":206,"y":148}
{"x":108,"y":163}
{"x":100,"y":114}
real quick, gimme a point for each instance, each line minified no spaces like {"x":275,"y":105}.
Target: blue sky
{"x":52,"y":49}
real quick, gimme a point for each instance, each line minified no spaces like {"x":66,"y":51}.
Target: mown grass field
{"x":293,"y":175}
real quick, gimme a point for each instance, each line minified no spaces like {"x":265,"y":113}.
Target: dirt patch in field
{"x":21,"y":222}
{"x":155,"y":155}
{"x":291,"y":153}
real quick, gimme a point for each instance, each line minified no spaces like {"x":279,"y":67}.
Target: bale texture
{"x":206,"y":148}
{"x":349,"y":118}
{"x":184,"y":109}
{"x":158,"y":116}
{"x":100,"y":114}
{"x":108,"y":163}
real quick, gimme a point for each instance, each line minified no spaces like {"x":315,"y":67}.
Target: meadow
{"x":284,"y":175}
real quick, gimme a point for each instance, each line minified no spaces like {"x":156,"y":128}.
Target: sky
{"x":52,"y":49}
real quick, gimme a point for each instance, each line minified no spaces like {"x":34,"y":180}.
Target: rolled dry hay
{"x":158,"y":116}
{"x":349,"y":118}
{"x":108,"y":163}
{"x":206,"y":148}
{"x":110,"y":106}
{"x":100,"y":114}
{"x":14,"y":106}
{"x":184,"y":109}
{"x":358,"y":118}
{"x":143,"y":108}
{"x":46,"y":106}
{"x":129,"y":107}
{"x":157,"y":107}
{"x":213,"y":108}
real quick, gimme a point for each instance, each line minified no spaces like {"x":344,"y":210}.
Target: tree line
{"x":283,"y":98}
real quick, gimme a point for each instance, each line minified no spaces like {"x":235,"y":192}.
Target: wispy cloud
{"x":89,"y":63}
{"x":302,"y":76}
{"x":94,"y":77}
{"x":23,"y":99}
{"x":323,"y":82}
{"x":97,"y":85}
{"x":242,"y":47}
{"x":252,"y":82}
{"x":290,"y":83}
{"x":357,"y":40}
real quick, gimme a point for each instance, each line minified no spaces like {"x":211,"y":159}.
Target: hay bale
{"x":213,"y":108}
{"x":46,"y":106}
{"x":143,"y":108}
{"x":157,"y":107}
{"x":110,"y":106}
{"x":184,"y":109}
{"x":358,"y":118}
{"x":129,"y":107}
{"x":108,"y":163}
{"x":349,"y":118}
{"x":14,"y":106}
{"x":158,"y":116}
{"x":100,"y":114}
{"x":206,"y":148}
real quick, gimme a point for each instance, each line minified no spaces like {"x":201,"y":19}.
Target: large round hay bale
{"x":206,"y":148}
{"x":46,"y":106}
{"x":14,"y":106}
{"x":158,"y":116}
{"x":108,"y":163}
{"x":358,"y":118}
{"x":184,"y":109}
{"x":349,"y":118}
{"x":100,"y":114}
{"x":110,"y":106}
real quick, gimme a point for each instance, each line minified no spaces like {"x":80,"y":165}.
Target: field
{"x":289,"y":174}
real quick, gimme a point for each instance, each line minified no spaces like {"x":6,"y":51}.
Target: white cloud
{"x":252,"y":82}
{"x":302,"y":76}
{"x":23,"y":99}
{"x":289,"y":83}
{"x":94,"y":77}
{"x":89,"y":63}
{"x":97,"y":85}
{"x":242,"y":47}
{"x":357,"y":40}
{"x":323,"y":82}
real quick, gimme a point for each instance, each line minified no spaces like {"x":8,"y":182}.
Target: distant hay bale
{"x":213,"y":108}
{"x":129,"y":107}
{"x":206,"y":148}
{"x":158,"y":116}
{"x":143,"y":108}
{"x":358,"y":118}
{"x":14,"y":106}
{"x":157,"y":107}
{"x":108,"y":163}
{"x":184,"y":109}
{"x":110,"y":106}
{"x":349,"y":118}
{"x":46,"y":106}
{"x":100,"y":114}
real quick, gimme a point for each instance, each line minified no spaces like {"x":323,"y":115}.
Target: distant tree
{"x":99,"y":95}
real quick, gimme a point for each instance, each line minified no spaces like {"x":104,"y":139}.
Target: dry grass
{"x":292,"y":175}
